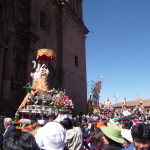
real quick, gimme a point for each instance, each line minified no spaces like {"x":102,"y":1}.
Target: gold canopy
{"x":44,"y":53}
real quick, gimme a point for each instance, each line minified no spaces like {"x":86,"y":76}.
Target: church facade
{"x":29,"y":25}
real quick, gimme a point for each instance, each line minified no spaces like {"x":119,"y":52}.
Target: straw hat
{"x":113,"y":132}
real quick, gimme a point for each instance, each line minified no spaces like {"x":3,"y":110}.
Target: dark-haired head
{"x":67,"y":123}
{"x":51,"y":117}
{"x":141,"y":131}
{"x":20,"y":141}
{"x":141,"y":136}
{"x":75,"y":123}
{"x":126,"y":123}
{"x":84,"y":120}
{"x":97,"y":138}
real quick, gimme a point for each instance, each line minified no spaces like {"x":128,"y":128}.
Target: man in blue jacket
{"x":10,"y":129}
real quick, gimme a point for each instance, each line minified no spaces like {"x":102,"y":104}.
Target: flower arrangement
{"x":61,"y":103}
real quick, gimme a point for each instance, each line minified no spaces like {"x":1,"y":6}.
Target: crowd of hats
{"x":115,"y":132}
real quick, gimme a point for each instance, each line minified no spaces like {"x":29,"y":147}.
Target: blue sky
{"x":118,"y":47}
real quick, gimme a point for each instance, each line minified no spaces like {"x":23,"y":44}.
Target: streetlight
{"x":116,"y":96}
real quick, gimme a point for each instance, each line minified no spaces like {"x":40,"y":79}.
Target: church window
{"x":76,"y":61}
{"x":43,"y":20}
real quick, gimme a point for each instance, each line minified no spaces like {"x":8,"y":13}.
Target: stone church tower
{"x":28,"y":25}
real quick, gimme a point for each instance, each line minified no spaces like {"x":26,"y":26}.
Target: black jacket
{"x":11,"y":130}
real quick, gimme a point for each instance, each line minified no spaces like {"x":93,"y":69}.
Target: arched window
{"x":76,"y":61}
{"x":43,"y":20}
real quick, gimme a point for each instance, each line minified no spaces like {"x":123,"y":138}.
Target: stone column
{"x":2,"y":54}
{"x":7,"y":72}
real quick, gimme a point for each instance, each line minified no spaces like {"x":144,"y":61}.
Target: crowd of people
{"x":107,"y":130}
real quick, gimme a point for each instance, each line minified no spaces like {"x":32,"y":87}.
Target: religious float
{"x":107,"y":105}
{"x":40,"y":100}
{"x":93,"y":104}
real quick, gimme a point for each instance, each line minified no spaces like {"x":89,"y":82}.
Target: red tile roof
{"x":146,"y":103}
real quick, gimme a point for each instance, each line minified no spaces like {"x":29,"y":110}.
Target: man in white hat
{"x":51,"y":136}
{"x":126,"y":134}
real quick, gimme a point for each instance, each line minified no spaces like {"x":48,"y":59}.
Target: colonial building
{"x":28,"y":25}
{"x":133,"y":103}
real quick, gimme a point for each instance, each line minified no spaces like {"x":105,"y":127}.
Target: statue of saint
{"x":107,"y":102}
{"x":141,"y":107}
{"x":40,"y":78}
{"x":124,"y":103}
